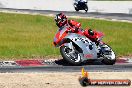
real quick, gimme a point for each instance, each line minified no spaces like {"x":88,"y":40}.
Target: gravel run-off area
{"x":57,"y":79}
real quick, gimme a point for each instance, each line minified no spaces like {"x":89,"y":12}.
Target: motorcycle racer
{"x":92,"y":35}
{"x":61,"y":20}
{"x":80,"y":1}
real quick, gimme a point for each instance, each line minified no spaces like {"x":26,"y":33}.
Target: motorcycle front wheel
{"x":71,"y":56}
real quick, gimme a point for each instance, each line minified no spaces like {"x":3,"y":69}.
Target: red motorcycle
{"x":77,"y":48}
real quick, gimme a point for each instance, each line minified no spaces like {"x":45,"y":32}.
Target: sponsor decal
{"x":88,"y":56}
{"x":84,"y":40}
{"x":86,"y":81}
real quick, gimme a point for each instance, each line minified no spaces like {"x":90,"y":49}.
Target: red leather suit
{"x":76,"y":28}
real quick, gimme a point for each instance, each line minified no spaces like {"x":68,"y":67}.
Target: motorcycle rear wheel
{"x":72,"y":58}
{"x":86,"y":9}
{"x":109,"y":60}
{"x":77,"y":9}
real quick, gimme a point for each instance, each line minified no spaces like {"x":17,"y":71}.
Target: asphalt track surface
{"x":90,"y":68}
{"x":62,"y":68}
{"x":109,"y":16}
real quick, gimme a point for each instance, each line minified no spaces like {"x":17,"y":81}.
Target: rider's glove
{"x":75,"y":29}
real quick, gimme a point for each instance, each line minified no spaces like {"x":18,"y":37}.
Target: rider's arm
{"x":75,"y":25}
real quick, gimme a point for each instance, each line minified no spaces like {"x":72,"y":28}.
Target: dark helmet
{"x":90,"y":32}
{"x":60,"y":19}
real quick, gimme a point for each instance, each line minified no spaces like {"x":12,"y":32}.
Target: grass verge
{"x":27,"y":36}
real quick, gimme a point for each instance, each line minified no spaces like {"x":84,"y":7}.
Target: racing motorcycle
{"x":78,"y":5}
{"x":77,"y":48}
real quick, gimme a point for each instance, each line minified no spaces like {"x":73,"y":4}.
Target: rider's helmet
{"x":60,"y":19}
{"x":90,"y":32}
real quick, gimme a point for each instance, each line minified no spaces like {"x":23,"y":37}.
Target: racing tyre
{"x":86,"y":9}
{"x":108,"y":55}
{"x":108,"y":62}
{"x":77,"y":9}
{"x":71,"y":56}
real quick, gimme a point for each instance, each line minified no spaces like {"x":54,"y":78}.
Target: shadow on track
{"x":89,"y":62}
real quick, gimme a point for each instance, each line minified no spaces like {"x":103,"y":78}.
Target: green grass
{"x":26,"y":36}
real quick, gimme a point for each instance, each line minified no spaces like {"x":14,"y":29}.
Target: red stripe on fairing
{"x":29,"y":62}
